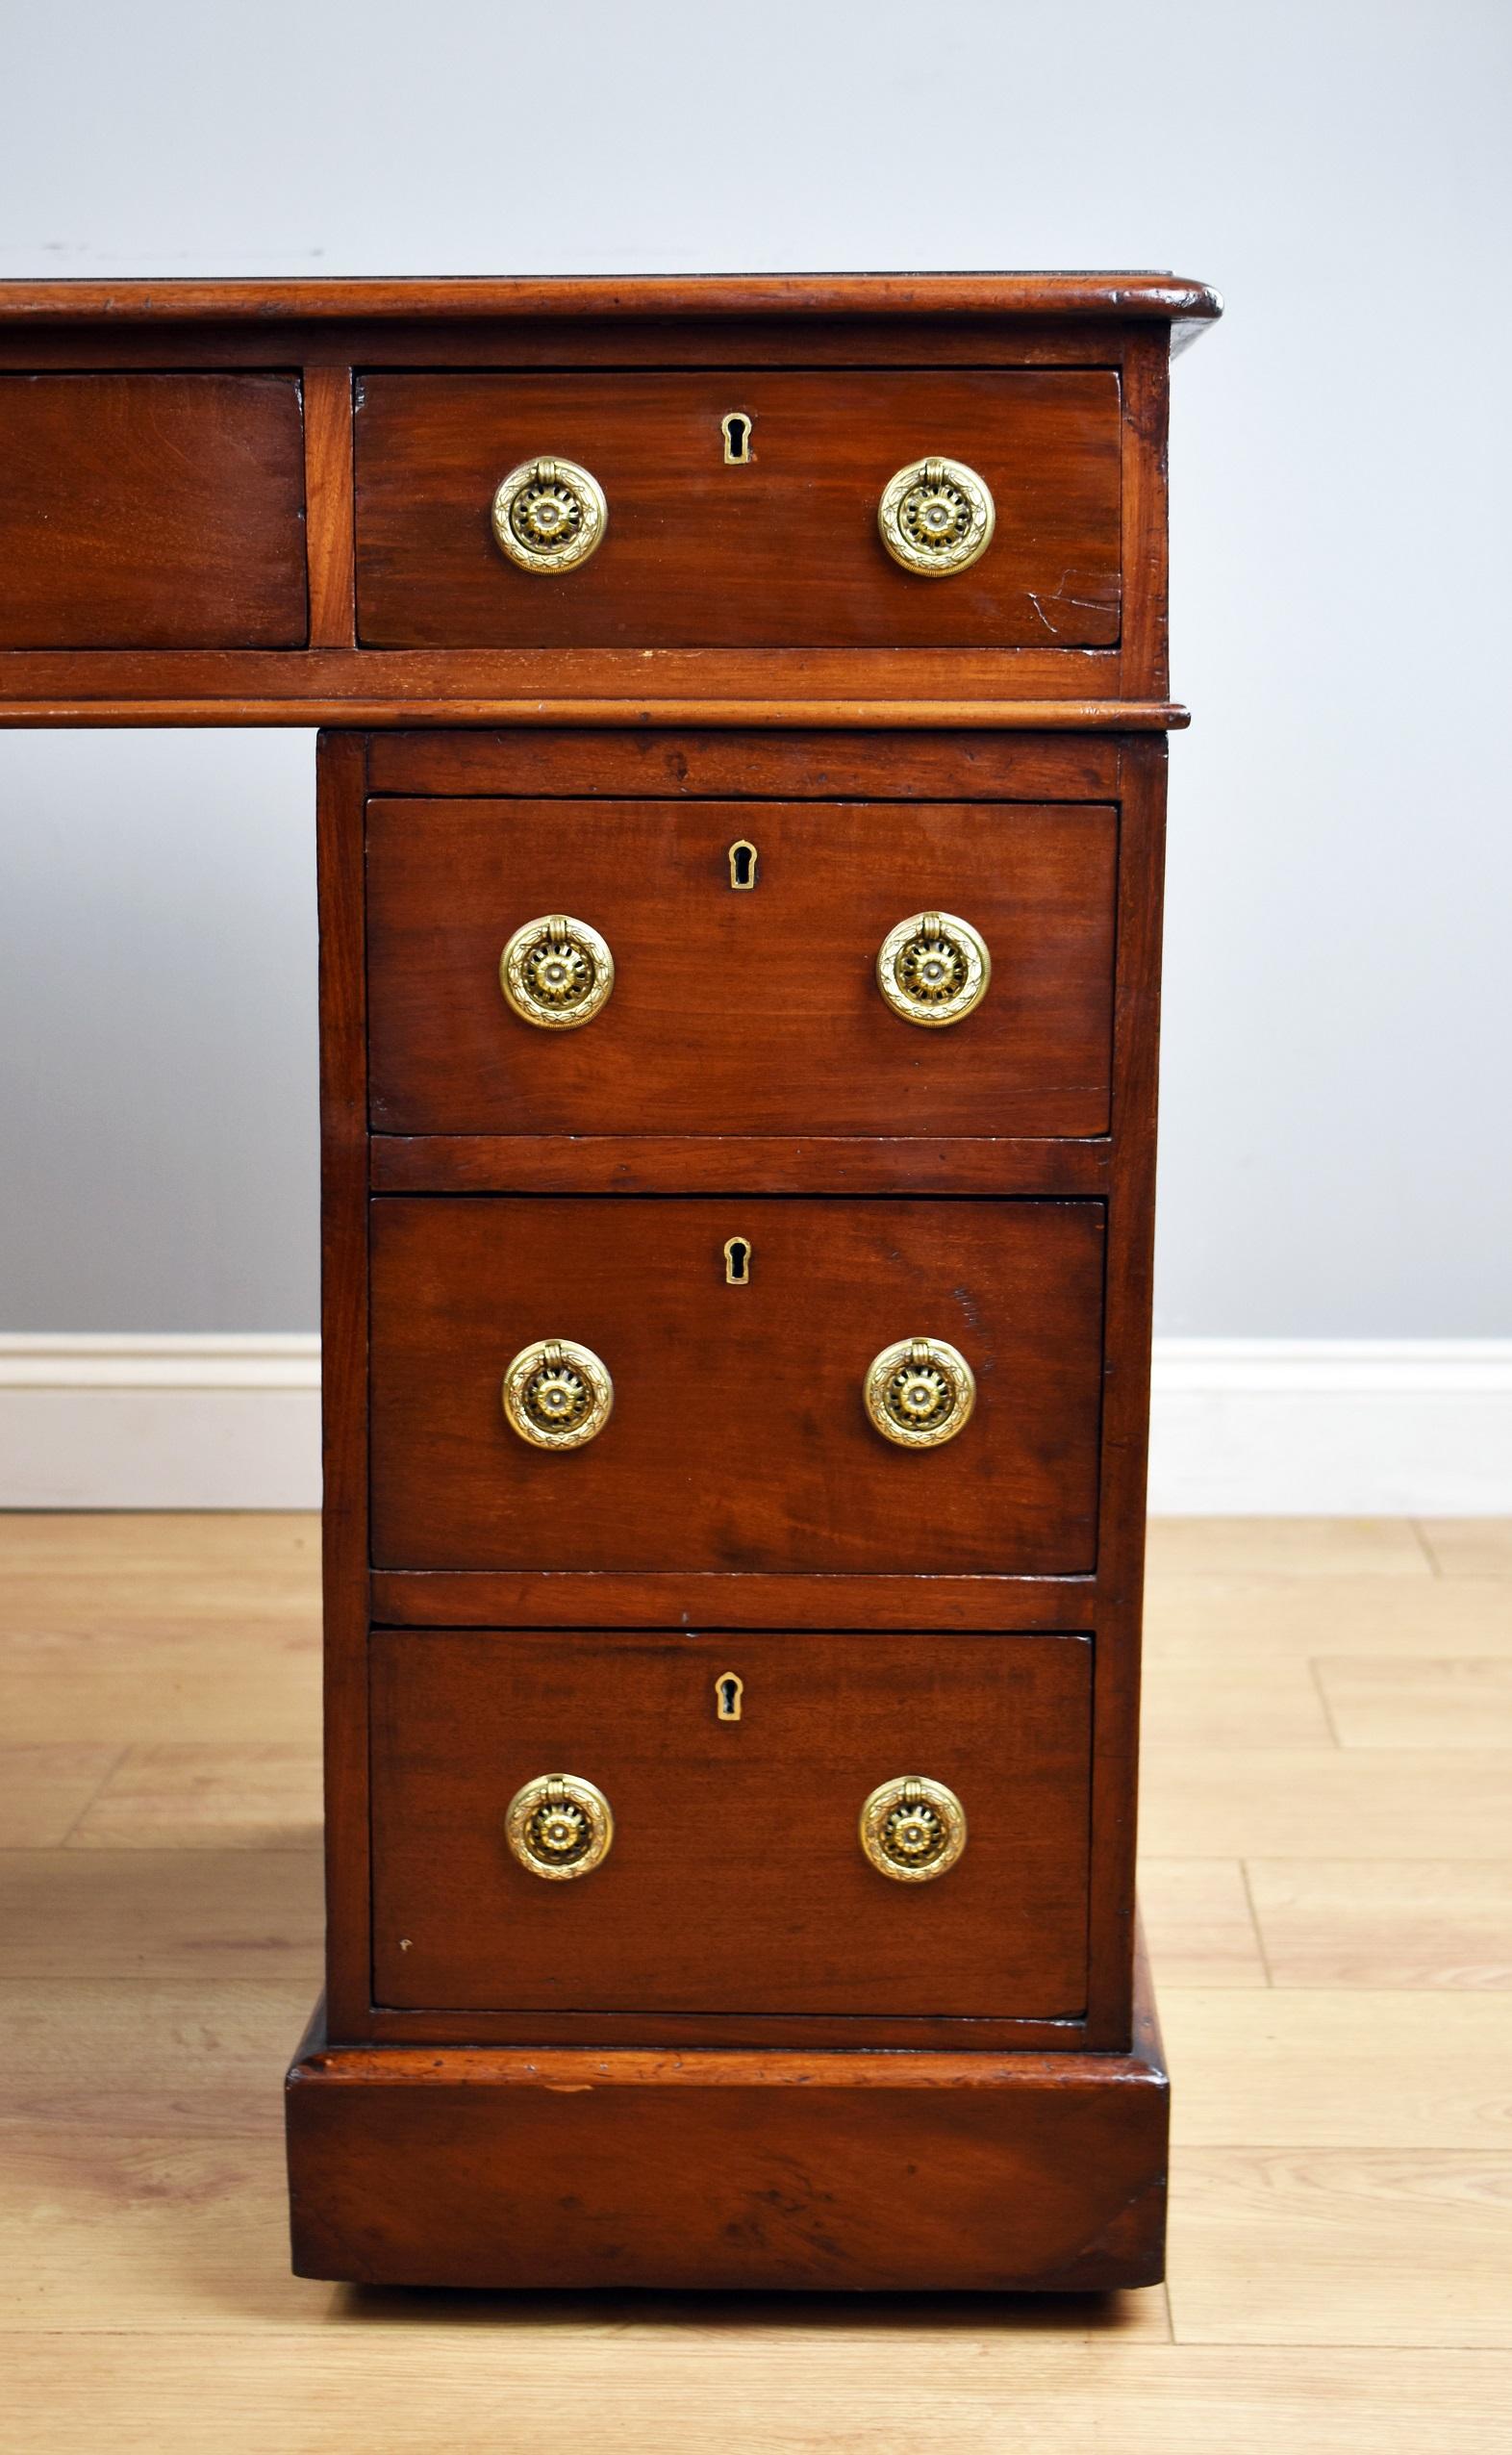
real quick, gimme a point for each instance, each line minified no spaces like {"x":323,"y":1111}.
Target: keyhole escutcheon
{"x":745,"y":860}
{"x":729,"y":1688}
{"x":736,"y":427}
{"x":738,"y":1262}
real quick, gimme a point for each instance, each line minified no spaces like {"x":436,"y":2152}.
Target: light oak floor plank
{"x":1382,"y":2246}
{"x":194,"y":1545}
{"x":1361,"y":1802}
{"x":215,"y":1682}
{"x":1469,"y":1546}
{"x":1417,"y":1923}
{"x":1222,"y":1699}
{"x":1287,"y":1546}
{"x":736,"y":2384}
{"x":1447,"y":1702}
{"x":137,"y":1914}
{"x":185,"y":1796}
{"x":1277,"y":1616}
{"x":1339,"y":2069}
{"x":1198,"y":1927}
{"x":44,"y":1790}
{"x":164,"y":1606}
{"x":158,"y":1576}
{"x":106,"y":2058}
{"x":176,"y":2231}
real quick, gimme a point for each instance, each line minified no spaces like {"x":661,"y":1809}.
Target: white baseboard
{"x":1243,"y":1427}
{"x":160,"y":1423}
{"x":1331,"y":1428}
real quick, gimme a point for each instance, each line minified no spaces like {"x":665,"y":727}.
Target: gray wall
{"x":1336,"y":1129}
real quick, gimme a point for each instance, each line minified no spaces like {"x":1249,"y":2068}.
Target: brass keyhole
{"x":728,"y":1690}
{"x":743,"y":863}
{"x":738,"y":1262}
{"x":736,"y":427}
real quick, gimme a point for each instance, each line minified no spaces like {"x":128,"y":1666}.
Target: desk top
{"x":278,"y":502}
{"x":1162,"y":296}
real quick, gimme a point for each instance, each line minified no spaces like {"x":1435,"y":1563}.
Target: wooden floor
{"x":1328,"y":1892}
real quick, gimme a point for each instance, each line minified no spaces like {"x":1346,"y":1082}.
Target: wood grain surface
{"x":182,"y":598}
{"x":738,"y":1440}
{"x":1159,"y":295}
{"x":739,"y":1012}
{"x":781,"y":552}
{"x":151,"y":512}
{"x":736,"y":1882}
{"x":884,"y":2171}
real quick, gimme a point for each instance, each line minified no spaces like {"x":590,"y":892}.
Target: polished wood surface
{"x":1341,"y":2012}
{"x":782,"y":552}
{"x":740,"y":1012}
{"x":344,"y":1341}
{"x":1161,"y":297}
{"x":328,"y":492}
{"x":554,"y":764}
{"x":337,"y":687}
{"x":805,"y":763}
{"x":1128,"y":1300}
{"x":738,"y":1440}
{"x":151,"y":512}
{"x":986,"y":1592}
{"x":837,"y":2172}
{"x":746,"y":1598}
{"x":737,"y":1837}
{"x":318,"y":342}
{"x":639,"y":1163}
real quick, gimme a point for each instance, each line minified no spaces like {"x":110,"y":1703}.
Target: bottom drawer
{"x":735,"y":1879}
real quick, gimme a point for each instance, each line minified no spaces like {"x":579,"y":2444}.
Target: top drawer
{"x":781,"y":550}
{"x":151,"y":511}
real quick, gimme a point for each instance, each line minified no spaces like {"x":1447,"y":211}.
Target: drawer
{"x":152,"y":511}
{"x":783,"y":551}
{"x":735,"y":1879}
{"x":738,"y":1438}
{"x":740,"y":1009}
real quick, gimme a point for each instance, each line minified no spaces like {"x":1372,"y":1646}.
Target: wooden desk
{"x":739,"y":821}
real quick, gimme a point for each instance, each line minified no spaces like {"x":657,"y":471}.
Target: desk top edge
{"x":1155,"y":296}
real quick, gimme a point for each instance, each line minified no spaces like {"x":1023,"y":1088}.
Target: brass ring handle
{"x":933,"y":969}
{"x":549,"y":515}
{"x":557,"y":1395}
{"x":937,"y":517}
{"x":560,"y":1826}
{"x":912,"y":1829}
{"x":557,"y":973}
{"x":920,"y":1392}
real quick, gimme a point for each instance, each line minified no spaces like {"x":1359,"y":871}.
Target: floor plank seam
{"x":1258,"y":1930}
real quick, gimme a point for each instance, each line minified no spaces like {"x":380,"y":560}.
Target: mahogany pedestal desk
{"x":740,"y":824}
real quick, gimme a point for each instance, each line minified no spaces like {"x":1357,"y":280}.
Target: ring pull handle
{"x":557,"y":1394}
{"x":549,"y":515}
{"x":920,"y":1392}
{"x":557,"y":973}
{"x":934,"y":969}
{"x":560,"y":1826}
{"x":913,"y":1830}
{"x":937,"y":517}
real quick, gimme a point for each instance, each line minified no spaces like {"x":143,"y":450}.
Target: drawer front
{"x":735,"y":1879}
{"x":739,"y":1438}
{"x":740,"y":1009}
{"x":781,"y":552}
{"x":151,"y":511}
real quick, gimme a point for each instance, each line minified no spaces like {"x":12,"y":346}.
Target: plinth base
{"x":575,"y":2166}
